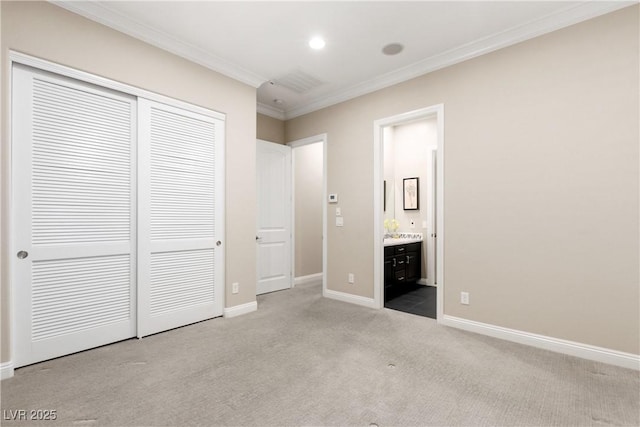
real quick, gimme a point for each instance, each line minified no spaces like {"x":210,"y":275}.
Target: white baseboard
{"x":585,"y":351}
{"x":353,"y":299}
{"x":239,"y":310}
{"x":311,"y":279}
{"x":6,"y":370}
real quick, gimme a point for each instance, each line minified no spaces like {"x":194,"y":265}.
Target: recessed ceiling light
{"x":317,"y":43}
{"x":392,"y":49}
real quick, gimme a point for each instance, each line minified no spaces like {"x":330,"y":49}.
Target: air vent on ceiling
{"x":299,"y":81}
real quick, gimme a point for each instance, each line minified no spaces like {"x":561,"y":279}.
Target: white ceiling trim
{"x":271,"y":111}
{"x":563,"y":18}
{"x":103,"y":15}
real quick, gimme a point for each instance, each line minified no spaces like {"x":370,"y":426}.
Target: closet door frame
{"x":9,"y":245}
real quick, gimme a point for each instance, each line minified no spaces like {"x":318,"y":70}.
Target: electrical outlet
{"x":235,"y":288}
{"x":338,"y":212}
{"x":352,"y":278}
{"x":464,"y":298}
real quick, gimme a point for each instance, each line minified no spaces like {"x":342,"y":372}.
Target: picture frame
{"x":411,"y":194}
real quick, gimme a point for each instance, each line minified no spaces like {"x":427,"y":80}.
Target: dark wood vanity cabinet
{"x":402,"y":267}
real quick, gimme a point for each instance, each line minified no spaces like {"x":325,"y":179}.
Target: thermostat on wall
{"x":333,"y":198}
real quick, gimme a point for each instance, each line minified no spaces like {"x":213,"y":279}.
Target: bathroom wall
{"x":389,"y":174}
{"x":412,"y":145}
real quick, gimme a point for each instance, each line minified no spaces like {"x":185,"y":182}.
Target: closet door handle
{"x":408,"y":259}
{"x":394,"y":262}
{"x":22,"y":254}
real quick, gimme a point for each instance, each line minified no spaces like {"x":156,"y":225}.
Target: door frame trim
{"x":436,"y":111}
{"x":320,"y":138}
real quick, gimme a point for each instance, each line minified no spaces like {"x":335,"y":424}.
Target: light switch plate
{"x":339,"y":221}
{"x":338,"y":212}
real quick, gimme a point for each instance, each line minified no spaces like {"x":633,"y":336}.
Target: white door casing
{"x":73,"y":215}
{"x":274,"y":219}
{"x":180,"y":217}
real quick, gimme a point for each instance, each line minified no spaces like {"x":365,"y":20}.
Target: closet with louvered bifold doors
{"x":117,"y":215}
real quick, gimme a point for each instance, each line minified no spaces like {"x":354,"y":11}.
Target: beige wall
{"x":49,"y":32}
{"x":270,"y":129}
{"x":308,"y":208}
{"x":541,"y":182}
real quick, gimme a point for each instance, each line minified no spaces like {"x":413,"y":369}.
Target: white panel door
{"x":180,"y":217}
{"x":273,"y":173}
{"x":73,"y":263}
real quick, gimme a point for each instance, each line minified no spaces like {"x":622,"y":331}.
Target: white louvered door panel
{"x":180,"y":217}
{"x":74,"y":211}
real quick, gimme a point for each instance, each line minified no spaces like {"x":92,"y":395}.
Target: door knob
{"x":23,"y":254}
{"x":218,"y":243}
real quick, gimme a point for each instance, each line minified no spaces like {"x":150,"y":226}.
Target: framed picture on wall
{"x":411,"y":194}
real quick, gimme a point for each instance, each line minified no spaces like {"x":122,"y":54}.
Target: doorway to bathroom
{"x":408,"y":245}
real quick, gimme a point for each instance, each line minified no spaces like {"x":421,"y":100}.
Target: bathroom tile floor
{"x":420,"y":300}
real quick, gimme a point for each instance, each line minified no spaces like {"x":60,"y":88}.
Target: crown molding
{"x":561,"y":19}
{"x":104,"y":15}
{"x":271,"y":111}
{"x":571,"y":15}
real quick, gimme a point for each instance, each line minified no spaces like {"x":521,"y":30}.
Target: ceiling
{"x":265,"y":43}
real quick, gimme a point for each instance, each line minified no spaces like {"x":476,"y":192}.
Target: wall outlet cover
{"x":464,"y":298}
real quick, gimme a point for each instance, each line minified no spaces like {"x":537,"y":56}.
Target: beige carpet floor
{"x":302,"y":360}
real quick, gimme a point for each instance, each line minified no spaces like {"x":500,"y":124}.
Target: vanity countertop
{"x":402,"y":239}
